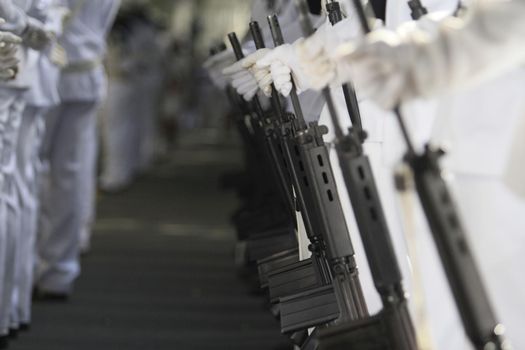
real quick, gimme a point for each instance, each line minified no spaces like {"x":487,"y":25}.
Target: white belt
{"x":82,"y":66}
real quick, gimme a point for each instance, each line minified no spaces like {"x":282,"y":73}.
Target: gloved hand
{"x":35,"y":36}
{"x":378,"y":66}
{"x":308,"y":61}
{"x":215,"y":64}
{"x":244,"y":75}
{"x":283,"y":65}
{"x":58,"y":55}
{"x":9,"y":44}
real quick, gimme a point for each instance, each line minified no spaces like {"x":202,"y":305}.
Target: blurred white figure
{"x":71,"y":144}
{"x":152,"y":53}
{"x":129,"y":109}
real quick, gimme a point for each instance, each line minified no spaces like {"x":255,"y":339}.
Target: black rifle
{"x":281,"y":237}
{"x":261,"y":122}
{"x":283,"y":133}
{"x":392,"y":328}
{"x":440,"y":209}
{"x":282,"y":256}
{"x":317,"y":179}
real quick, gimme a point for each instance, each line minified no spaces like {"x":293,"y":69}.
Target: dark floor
{"x":161,"y":274}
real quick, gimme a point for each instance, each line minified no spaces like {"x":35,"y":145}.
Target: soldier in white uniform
{"x":13,"y":103}
{"x":8,"y":69}
{"x":147,"y":39}
{"x":41,"y":97}
{"x":70,"y":152}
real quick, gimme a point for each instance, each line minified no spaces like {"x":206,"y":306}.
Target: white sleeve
{"x":485,"y":45}
{"x":15,"y":17}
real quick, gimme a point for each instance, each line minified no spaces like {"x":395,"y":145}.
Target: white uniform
{"x":12,"y":106}
{"x":40,"y":98}
{"x":67,"y":200}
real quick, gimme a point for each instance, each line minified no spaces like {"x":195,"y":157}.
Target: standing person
{"x":70,"y":148}
{"x":8,"y":70}
{"x":12,"y":105}
{"x":41,"y":97}
{"x":128,"y":121}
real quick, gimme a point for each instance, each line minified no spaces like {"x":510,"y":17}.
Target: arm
{"x":16,"y":19}
{"x":434,"y":56}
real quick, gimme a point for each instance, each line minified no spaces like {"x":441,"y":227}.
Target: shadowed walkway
{"x":161,"y":273}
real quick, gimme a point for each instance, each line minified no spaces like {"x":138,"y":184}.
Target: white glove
{"x":58,"y":55}
{"x":244,"y":75}
{"x":308,"y":61}
{"x":283,"y":65}
{"x":9,"y":44}
{"x":378,"y":67}
{"x":215,"y":64}
{"x":35,"y":36}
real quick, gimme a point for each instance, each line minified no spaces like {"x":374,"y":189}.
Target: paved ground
{"x":161,"y":273}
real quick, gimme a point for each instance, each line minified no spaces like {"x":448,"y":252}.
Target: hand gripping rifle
{"x":276,"y":239}
{"x":449,"y":235}
{"x":392,"y":327}
{"x":283,"y":134}
{"x":316,"y":178}
{"x":261,"y":120}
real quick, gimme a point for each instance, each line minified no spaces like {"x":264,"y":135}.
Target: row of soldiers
{"x":53,"y":82}
{"x":456,"y":69}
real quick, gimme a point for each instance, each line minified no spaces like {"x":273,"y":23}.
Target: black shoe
{"x":40,"y":295}
{"x":13,"y":333}
{"x":24,"y":327}
{"x":4,"y":342}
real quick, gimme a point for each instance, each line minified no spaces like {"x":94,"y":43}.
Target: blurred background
{"x":159,"y":270}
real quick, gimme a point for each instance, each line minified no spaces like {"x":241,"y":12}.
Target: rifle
{"x":280,"y":238}
{"x":282,"y":132}
{"x":449,"y":235}
{"x":392,"y":327}
{"x":316,"y":179}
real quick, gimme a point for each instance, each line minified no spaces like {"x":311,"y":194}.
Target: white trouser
{"x":69,"y":135}
{"x":11,"y":107}
{"x":8,"y":216}
{"x":29,"y":140}
{"x":4,"y":303}
{"x":88,"y":184}
{"x":120,"y":135}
